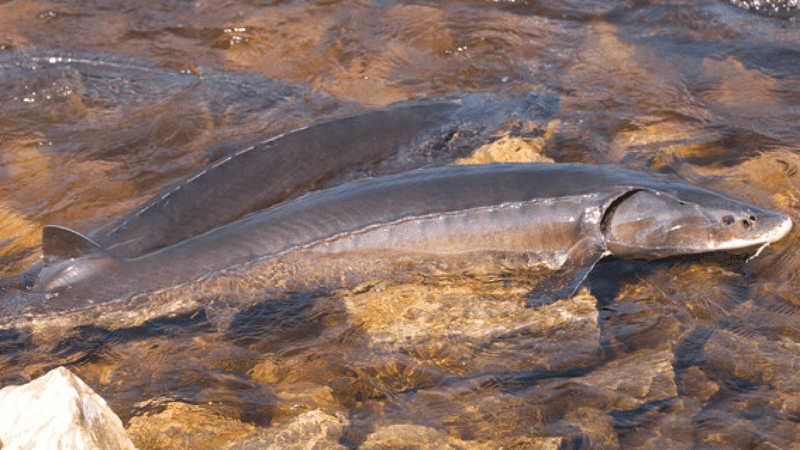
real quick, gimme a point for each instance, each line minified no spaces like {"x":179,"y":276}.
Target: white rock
{"x":58,"y":411}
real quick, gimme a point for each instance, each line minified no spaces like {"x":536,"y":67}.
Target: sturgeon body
{"x":268,"y":172}
{"x":568,"y":215}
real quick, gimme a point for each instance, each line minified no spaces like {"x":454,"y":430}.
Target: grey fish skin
{"x":268,"y":172}
{"x":571,"y":215}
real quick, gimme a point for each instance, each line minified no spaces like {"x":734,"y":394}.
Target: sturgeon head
{"x":651,"y":223}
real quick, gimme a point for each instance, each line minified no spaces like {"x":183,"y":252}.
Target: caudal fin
{"x":61,"y":244}
{"x":61,"y":247}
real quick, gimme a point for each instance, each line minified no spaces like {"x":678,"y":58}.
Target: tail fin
{"x":61,"y":244}
{"x":61,"y":247}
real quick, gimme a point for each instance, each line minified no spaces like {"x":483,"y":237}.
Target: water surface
{"x":691,"y":352}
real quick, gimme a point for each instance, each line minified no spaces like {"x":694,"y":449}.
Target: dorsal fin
{"x":61,"y":244}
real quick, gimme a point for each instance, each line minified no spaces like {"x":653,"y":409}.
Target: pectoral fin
{"x":565,"y":281}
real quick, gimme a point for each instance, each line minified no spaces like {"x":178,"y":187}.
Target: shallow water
{"x":696,"y":351}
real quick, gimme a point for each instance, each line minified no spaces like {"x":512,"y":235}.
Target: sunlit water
{"x":699,"y":351}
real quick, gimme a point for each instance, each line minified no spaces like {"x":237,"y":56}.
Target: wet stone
{"x":313,"y":430}
{"x":300,"y":396}
{"x":513,"y":149}
{"x":542,"y":403}
{"x":644,"y":376}
{"x":419,"y":437}
{"x":180,"y":425}
{"x":656,"y":141}
{"x":720,"y":429}
{"x":595,"y":425}
{"x":774,"y":433}
{"x":693,"y":382}
{"x":301,"y":384}
{"x":668,"y":303}
{"x":770,"y":316}
{"x":666,"y":424}
{"x":459,"y":328}
{"x":758,"y":360}
{"x":727,"y":75}
{"x":757,"y":402}
{"x":58,"y":410}
{"x":408,"y":437}
{"x":748,"y":415}
{"x":478,"y":410}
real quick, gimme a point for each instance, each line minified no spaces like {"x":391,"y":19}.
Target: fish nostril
{"x":728,"y":220}
{"x":752,"y":218}
{"x":746,"y":223}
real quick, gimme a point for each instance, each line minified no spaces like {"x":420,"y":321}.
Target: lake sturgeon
{"x":568,"y":216}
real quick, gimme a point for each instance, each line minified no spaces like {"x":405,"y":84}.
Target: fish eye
{"x":728,"y":220}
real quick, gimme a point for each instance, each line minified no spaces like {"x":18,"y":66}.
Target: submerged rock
{"x":58,"y":410}
{"x":758,"y":360}
{"x":666,"y":424}
{"x":182,"y":425}
{"x":404,"y":436}
{"x":630,"y":381}
{"x":467,"y":328}
{"x":313,"y":430}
